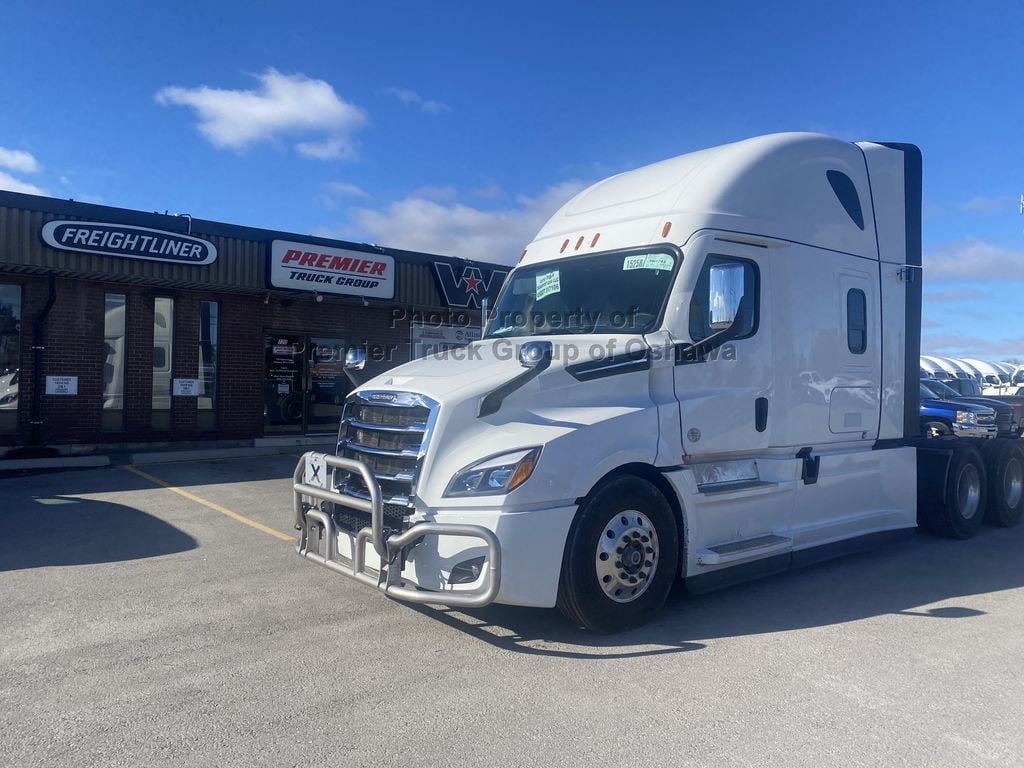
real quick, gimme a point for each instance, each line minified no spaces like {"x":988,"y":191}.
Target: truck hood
{"x":456,"y":374}
{"x":553,"y":408}
{"x":953,"y":405}
{"x":476,"y":369}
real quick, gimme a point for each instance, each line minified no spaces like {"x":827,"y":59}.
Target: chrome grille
{"x":986,"y":418}
{"x":388,"y":432}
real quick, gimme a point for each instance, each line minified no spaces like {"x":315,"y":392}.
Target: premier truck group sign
{"x":306,"y":267}
{"x":128,"y":242}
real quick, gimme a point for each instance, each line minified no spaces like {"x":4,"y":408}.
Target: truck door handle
{"x":761,"y":414}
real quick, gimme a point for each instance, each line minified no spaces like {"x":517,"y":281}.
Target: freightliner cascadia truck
{"x":704,"y":369}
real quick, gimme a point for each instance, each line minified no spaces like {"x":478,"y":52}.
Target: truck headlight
{"x":495,"y":475}
{"x":966,"y":417}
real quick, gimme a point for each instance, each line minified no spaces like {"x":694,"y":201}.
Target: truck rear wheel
{"x":959,"y":511}
{"x":1004,"y":462}
{"x":621,"y":557}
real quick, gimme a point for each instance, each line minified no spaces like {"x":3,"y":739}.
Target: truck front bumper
{"x":319,"y":539}
{"x":986,"y":431}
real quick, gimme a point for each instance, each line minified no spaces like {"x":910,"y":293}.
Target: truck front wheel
{"x":621,"y":558}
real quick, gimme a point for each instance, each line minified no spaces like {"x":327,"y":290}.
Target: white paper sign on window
{"x":548,"y":283}
{"x":62,"y":385}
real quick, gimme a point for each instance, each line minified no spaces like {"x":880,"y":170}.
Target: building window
{"x":856,"y":321}
{"x":112,"y":419}
{"x":208,"y":339}
{"x":163,"y":356}
{"x":10,"y":355}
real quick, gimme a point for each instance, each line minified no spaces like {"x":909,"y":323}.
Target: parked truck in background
{"x":993,"y":380}
{"x":706,"y":368}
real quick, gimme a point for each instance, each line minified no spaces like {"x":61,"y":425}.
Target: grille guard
{"x":391,"y":549}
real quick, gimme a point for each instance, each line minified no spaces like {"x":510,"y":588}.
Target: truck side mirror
{"x":697,"y":352}
{"x":355,"y":359}
{"x":725,"y":287}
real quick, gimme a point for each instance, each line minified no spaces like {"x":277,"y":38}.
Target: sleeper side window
{"x":856,"y":321}
{"x":726,"y":293}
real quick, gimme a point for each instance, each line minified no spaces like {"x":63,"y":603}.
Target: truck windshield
{"x":620,"y":292}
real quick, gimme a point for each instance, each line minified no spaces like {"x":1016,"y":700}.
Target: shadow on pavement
{"x":901,"y":579}
{"x":63,"y":530}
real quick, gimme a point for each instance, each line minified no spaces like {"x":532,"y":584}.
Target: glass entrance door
{"x":283,"y":406}
{"x":328,"y":384}
{"x":305,"y":383}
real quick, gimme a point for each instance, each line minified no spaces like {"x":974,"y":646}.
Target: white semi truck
{"x":705,"y":369}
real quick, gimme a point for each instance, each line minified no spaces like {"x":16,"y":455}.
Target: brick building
{"x":130,"y":328}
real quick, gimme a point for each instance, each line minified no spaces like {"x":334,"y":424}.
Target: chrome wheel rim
{"x":968,"y":491}
{"x":627,"y":556}
{"x":1013,"y":482}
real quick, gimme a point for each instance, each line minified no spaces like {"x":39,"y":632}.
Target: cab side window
{"x":726,"y":293}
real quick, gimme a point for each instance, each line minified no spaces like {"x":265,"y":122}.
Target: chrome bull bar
{"x":391,"y":549}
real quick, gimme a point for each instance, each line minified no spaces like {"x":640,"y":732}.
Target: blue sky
{"x":458,"y":127}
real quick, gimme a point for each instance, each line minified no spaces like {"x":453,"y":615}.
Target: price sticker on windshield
{"x":547,"y":283}
{"x":655,"y":261}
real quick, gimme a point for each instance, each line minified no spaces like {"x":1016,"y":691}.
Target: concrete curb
{"x":57,"y":462}
{"x":158,"y":457}
{"x":163,"y":457}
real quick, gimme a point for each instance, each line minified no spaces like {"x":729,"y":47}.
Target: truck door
{"x":725,"y":392}
{"x":742,"y":493}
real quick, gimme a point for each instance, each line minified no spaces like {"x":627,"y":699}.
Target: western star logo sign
{"x":306,"y":267}
{"x":128,"y":242}
{"x":466,"y":286}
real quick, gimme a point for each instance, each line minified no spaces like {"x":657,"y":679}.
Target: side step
{"x":742,"y":549}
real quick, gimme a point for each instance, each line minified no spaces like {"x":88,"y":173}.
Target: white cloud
{"x":406,"y":96}
{"x":348,"y":190}
{"x":489,"y":191}
{"x":955,"y":295}
{"x":991,"y":205}
{"x":419,"y":224}
{"x":330,"y":149}
{"x":18,"y":160}
{"x":956,"y":344}
{"x":971,"y":259}
{"x":282,"y":105}
{"x":447,"y":194}
{"x":12,"y":184}
{"x":335,"y":192}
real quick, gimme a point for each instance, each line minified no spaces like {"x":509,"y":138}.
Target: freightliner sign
{"x":128,"y":242}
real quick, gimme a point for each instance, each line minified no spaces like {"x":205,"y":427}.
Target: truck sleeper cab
{"x":706,"y":369}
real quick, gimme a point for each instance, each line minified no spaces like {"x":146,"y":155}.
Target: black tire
{"x":935,"y":428}
{"x":959,"y":511}
{"x":1004,"y":463}
{"x":587,"y":601}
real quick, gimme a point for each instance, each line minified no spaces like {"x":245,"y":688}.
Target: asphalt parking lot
{"x":151,"y":625}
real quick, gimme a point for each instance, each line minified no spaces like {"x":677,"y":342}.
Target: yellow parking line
{"x":209,"y":504}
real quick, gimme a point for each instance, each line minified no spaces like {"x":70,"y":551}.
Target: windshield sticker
{"x":547,"y":283}
{"x":657,"y":261}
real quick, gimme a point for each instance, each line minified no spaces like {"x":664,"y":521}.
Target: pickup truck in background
{"x":1007,"y":415}
{"x":950,"y":417}
{"x":971,"y":390}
